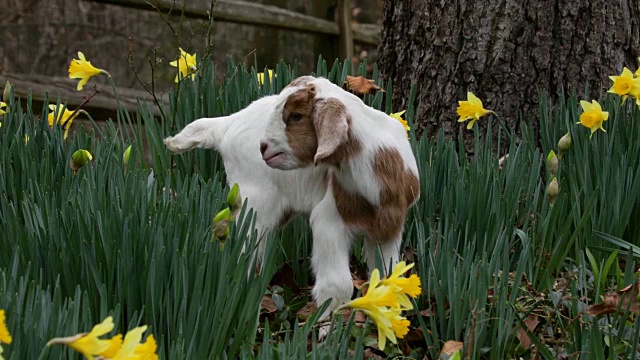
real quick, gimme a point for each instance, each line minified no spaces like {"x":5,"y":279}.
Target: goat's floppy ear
{"x":331,"y":122}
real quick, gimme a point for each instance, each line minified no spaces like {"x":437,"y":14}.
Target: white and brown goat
{"x":318,"y":150}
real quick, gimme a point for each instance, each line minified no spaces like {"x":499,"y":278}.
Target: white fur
{"x":274,"y":192}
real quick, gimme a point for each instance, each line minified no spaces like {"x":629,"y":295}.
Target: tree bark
{"x":504,"y":51}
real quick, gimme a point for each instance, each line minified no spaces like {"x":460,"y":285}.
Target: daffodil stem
{"x":44,"y":352}
{"x":503,"y":126}
{"x":115,"y":93}
{"x":115,"y":90}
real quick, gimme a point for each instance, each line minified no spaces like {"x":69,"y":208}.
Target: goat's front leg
{"x":202,"y":133}
{"x":330,"y":258}
{"x":268,"y":213}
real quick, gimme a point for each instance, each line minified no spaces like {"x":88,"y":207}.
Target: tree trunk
{"x":504,"y":51}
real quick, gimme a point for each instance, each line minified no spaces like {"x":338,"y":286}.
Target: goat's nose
{"x":263,"y":147}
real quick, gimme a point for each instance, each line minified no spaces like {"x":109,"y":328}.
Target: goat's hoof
{"x":177,"y":146}
{"x":323,"y":330}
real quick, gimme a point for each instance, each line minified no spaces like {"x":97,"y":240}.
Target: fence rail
{"x":241,"y":12}
{"x":244,"y":12}
{"x":64,"y":88}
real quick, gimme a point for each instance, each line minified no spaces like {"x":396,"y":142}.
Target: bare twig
{"x":85,"y":101}
{"x":153,"y":63}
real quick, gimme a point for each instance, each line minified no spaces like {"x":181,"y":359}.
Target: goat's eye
{"x":295,"y":116}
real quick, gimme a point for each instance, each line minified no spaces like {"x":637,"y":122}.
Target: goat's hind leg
{"x":389,"y":249}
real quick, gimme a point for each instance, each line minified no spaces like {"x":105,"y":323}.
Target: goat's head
{"x":308,"y":129}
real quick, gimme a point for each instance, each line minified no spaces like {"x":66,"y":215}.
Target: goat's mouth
{"x":273,"y":159}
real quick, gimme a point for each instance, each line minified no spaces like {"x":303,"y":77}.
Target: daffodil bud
{"x":233,"y":198}
{"x":564,"y":144}
{"x":7,"y":92}
{"x":79,"y":159}
{"x":222,"y":215}
{"x":552,"y":190}
{"x":125,"y":156}
{"x":552,"y":163}
{"x":221,"y":225}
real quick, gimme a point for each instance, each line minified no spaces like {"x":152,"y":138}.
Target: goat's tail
{"x":202,"y":133}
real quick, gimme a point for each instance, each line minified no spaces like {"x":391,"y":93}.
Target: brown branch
{"x":84,"y":102}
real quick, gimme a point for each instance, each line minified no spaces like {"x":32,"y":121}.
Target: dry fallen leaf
{"x":361,"y":86}
{"x":370,"y":354}
{"x":415,"y":336}
{"x":627,"y":298}
{"x":451,"y":346}
{"x":307,"y":310}
{"x":531,"y":321}
{"x":359,"y":319}
{"x":268,"y":305}
{"x":503,"y":161}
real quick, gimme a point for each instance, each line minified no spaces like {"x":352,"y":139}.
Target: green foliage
{"x":135,"y":241}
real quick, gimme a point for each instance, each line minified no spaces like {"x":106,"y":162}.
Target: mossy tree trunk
{"x":505,"y":51}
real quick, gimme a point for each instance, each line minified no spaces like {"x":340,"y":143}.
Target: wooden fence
{"x":244,"y":12}
{"x":241,"y":12}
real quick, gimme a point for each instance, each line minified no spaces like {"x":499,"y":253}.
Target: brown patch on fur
{"x":300,"y":81}
{"x":306,"y":119}
{"x":399,"y":189}
{"x":300,"y":130}
{"x":286,"y":217}
{"x":344,"y":152}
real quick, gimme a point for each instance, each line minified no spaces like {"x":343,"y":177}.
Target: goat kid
{"x":327,"y":155}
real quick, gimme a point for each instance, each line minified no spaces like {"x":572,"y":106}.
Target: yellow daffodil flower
{"x":471,"y":109}
{"x":64,"y":118}
{"x":83,"y":70}
{"x":377,"y":295}
{"x":625,"y":84}
{"x":402,"y":286}
{"x":2,"y":105}
{"x":385,"y":319}
{"x":381,"y":305}
{"x":89,"y":344}
{"x":390,"y":324}
{"x":261,"y":76}
{"x":386,"y":299}
{"x":186,"y":64}
{"x":114,"y":345}
{"x":5,"y":336}
{"x":592,"y":116}
{"x":147,"y":350}
{"x":400,"y":326}
{"x":130,"y":344}
{"x":398,"y":116}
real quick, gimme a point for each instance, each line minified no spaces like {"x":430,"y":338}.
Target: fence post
{"x":346,"y":33}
